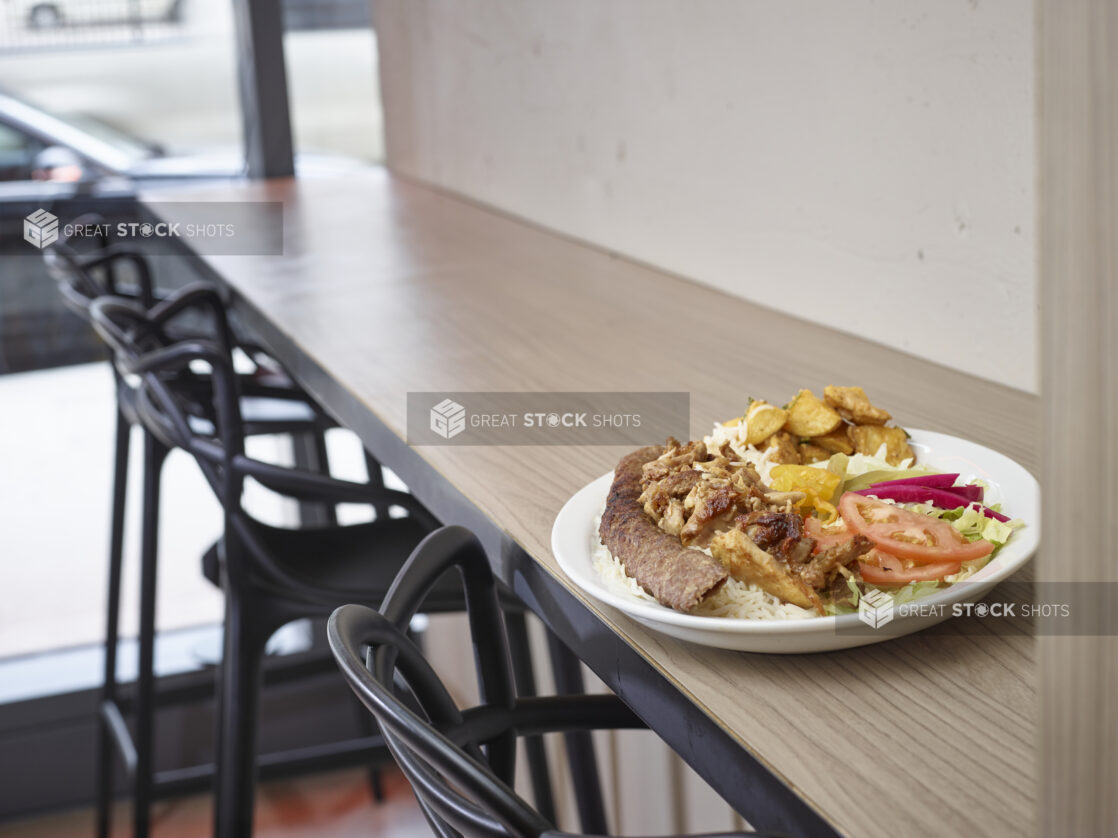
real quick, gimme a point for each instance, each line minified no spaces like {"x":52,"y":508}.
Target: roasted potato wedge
{"x":809,"y":417}
{"x":762,"y":420}
{"x":812,"y":453}
{"x":837,"y":441}
{"x":854,"y":405}
{"x":869,"y":438}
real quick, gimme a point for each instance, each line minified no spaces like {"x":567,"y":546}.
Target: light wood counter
{"x":388,"y":287}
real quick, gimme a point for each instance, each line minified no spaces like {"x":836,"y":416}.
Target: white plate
{"x":1010,"y":484}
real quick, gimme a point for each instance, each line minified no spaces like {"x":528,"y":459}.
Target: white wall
{"x":864,"y":164}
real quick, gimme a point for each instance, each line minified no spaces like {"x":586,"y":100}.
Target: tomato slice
{"x":826,"y":537}
{"x":909,"y":535}
{"x":882,"y":569}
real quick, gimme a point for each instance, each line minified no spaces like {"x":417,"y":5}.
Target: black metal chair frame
{"x":260,"y":594}
{"x":75,"y":274}
{"x":460,"y":763}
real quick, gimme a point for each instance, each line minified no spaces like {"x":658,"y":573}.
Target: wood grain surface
{"x":391,"y":287}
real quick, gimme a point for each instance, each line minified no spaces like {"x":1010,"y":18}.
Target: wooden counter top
{"x":387,"y":287}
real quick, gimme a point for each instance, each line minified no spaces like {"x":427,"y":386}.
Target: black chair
{"x":460,"y":762}
{"x":271,"y":404}
{"x":269,"y":575}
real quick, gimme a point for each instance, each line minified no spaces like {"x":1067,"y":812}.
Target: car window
{"x":134,"y":148}
{"x":17,"y":153}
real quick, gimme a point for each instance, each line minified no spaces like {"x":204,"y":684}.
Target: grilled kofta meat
{"x":677,"y":576}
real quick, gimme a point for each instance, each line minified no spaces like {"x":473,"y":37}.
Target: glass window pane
{"x":332,"y":81}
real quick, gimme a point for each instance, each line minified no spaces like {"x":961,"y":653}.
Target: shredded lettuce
{"x":914,"y":590}
{"x":901,"y":595}
{"x":861,"y":470}
{"x":862,"y":463}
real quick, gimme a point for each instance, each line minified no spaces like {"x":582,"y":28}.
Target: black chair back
{"x":85,"y":272}
{"x":427,"y":733}
{"x":200,"y":413}
{"x":460,"y":763}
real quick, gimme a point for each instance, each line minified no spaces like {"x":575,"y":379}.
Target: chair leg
{"x":365,"y":721}
{"x":154,"y":454}
{"x":105,"y":760}
{"x":368,"y":727}
{"x":374,"y":471}
{"x":525,"y":676}
{"x":376,"y":480}
{"x":238,"y":700}
{"x":322,"y":456}
{"x":580,"y":745}
{"x":309,"y":450}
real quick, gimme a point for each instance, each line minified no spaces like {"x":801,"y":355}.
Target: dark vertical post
{"x":154,"y":453}
{"x":309,"y":452}
{"x":105,"y":755}
{"x":580,"y":745}
{"x":534,"y":747}
{"x":247,"y":627}
{"x":262,"y":75}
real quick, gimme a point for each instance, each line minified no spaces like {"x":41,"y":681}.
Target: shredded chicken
{"x":788,"y":569}
{"x":709,"y":498}
{"x":712,"y":505}
{"x":825,"y":564}
{"x":695,"y":493}
{"x":657,"y":495}
{"x":779,"y":533}
{"x":677,"y":456}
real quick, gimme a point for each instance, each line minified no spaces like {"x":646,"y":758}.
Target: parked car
{"x":326,"y":14}
{"x":69,"y":166}
{"x":44,"y":14}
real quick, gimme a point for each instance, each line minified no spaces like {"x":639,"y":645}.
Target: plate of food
{"x":804,"y":528}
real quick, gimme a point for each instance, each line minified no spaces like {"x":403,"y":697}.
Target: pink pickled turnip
{"x":936,"y":481}
{"x":932,"y":481}
{"x":942,"y":498}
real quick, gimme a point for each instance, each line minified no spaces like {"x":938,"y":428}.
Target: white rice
{"x":760,"y":460}
{"x":733,"y":599}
